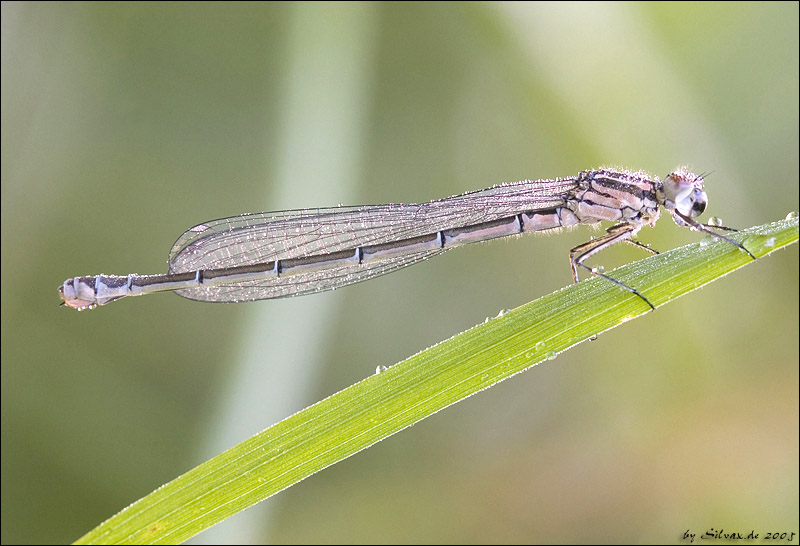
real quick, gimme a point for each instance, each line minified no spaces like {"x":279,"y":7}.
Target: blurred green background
{"x":125,"y":124}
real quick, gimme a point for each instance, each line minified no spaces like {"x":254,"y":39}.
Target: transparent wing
{"x":263,"y":237}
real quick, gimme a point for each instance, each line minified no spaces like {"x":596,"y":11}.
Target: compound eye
{"x":699,"y":205}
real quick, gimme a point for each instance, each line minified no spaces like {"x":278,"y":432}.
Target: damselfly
{"x":291,"y":253}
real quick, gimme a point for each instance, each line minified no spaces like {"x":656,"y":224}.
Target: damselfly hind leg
{"x":615,"y":234}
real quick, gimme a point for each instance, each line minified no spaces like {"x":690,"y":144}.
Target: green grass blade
{"x":429,"y":381}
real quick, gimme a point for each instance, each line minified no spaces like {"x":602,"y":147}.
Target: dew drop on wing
{"x":791,"y":216}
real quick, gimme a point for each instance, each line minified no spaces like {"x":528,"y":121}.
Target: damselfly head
{"x":685,"y":193}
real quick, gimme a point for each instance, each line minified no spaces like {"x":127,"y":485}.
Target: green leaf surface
{"x":387,"y":402}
